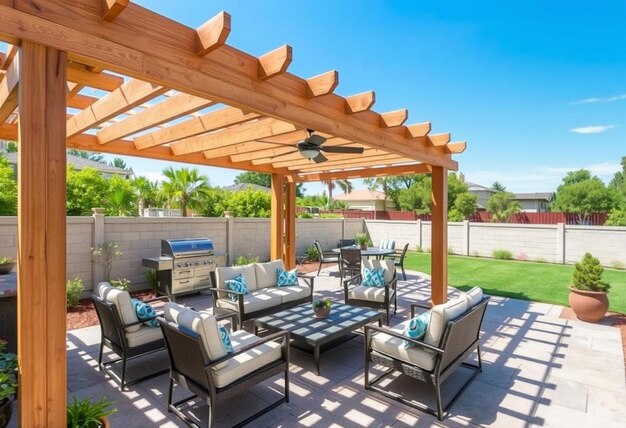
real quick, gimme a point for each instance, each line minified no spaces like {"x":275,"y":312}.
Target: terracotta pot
{"x":588,"y":306}
{"x":6,"y":411}
{"x":6,"y":267}
{"x":363,"y":246}
{"x":105,"y":422}
{"x":321,"y":312}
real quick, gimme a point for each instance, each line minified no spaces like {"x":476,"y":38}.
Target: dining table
{"x":379,"y":253}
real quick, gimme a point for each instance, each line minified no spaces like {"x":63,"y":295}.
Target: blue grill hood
{"x":187,"y":247}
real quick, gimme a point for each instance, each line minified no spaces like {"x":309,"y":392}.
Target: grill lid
{"x":186,"y":247}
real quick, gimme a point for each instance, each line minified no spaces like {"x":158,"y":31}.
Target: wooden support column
{"x":439,"y":236}
{"x":290,"y":226}
{"x":41,"y":237}
{"x":277,"y":219}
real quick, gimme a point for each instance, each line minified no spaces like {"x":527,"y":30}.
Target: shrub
{"x":304,"y":214}
{"x":455,"y":215}
{"x":588,"y":275}
{"x":246,"y":260}
{"x":74,"y":288}
{"x":122,"y":284}
{"x":105,"y":254}
{"x":475,"y":253}
{"x":541,"y":260}
{"x":151,"y":277}
{"x":450,"y":250}
{"x":311,"y":253}
{"x":419,"y":249}
{"x":502,"y":254}
{"x":84,"y":413}
{"x":523,"y":257}
{"x":616,"y":264}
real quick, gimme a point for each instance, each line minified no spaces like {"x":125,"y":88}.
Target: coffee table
{"x":313,"y":334}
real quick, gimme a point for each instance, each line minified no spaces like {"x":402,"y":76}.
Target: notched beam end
{"x":112,"y":8}
{"x":360,"y":102}
{"x":393,"y":118}
{"x":456,"y":147}
{"x":275,"y":62}
{"x":418,"y":130}
{"x":440,"y":140}
{"x":323,"y":84}
{"x":212,"y":34}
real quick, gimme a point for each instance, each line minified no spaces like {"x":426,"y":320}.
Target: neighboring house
{"x":246,"y":186}
{"x":368,"y":200}
{"x":161,"y":212}
{"x":80,"y":163}
{"x":534,"y":202}
{"x":482,"y":194}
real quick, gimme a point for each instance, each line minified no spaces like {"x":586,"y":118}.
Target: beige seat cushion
{"x":473,"y":297}
{"x":289,"y":293}
{"x":393,"y":347}
{"x":246,"y":363}
{"x":440,"y":315}
{"x":252,"y":302}
{"x":224,"y":273}
{"x":121,"y":300}
{"x":145,"y":334}
{"x":203,"y":324}
{"x":386,"y":264}
{"x":373,"y":294}
{"x":266,"y":273}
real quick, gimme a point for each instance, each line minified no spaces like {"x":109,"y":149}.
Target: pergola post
{"x":42,"y":235}
{"x":439,"y":236}
{"x":290,"y":226}
{"x":277,"y":217}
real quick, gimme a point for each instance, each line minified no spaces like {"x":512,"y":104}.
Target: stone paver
{"x":539,"y":370}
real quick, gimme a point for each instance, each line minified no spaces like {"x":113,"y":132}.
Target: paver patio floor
{"x":539,"y":370}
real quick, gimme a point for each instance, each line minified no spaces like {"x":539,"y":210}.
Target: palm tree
{"x":184,"y":187}
{"x":345,"y":185}
{"x":498,"y":187}
{"x":145,"y":191}
{"x":120,"y":202}
{"x":119,"y":163}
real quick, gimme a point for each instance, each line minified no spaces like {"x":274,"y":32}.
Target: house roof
{"x":477,"y":187}
{"x":80,"y":163}
{"x":245,"y":186}
{"x":542,"y":196}
{"x":361,"y":195}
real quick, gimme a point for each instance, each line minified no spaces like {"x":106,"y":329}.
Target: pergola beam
{"x":322,"y":84}
{"x":454,"y":148}
{"x":112,"y":8}
{"x":363,"y":173}
{"x":212,"y":34}
{"x":374,"y":161}
{"x":9,"y":91}
{"x":393,"y":118}
{"x":418,"y":130}
{"x":360,"y":102}
{"x":104,"y":81}
{"x":275,"y":62}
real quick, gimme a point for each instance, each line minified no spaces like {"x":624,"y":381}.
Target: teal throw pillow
{"x":237,"y":284}
{"x":228,"y":346}
{"x":286,"y":278}
{"x":373,"y":277}
{"x":145,"y":313}
{"x":416,"y":328}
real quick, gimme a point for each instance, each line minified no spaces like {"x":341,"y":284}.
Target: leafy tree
{"x":313,"y":201}
{"x":616,"y":218}
{"x":344,"y":185}
{"x":8,"y":188}
{"x":184,"y":188}
{"x":263,"y":179}
{"x":120,"y":199}
{"x":97,"y":157}
{"x":574,"y":177}
{"x":391,"y":186}
{"x":214,"y":202}
{"x":498,"y":187}
{"x":618,"y":184}
{"x":583,"y":196}
{"x":455,"y":215}
{"x":456,"y":187}
{"x":502,"y":206}
{"x":465,"y":204}
{"x":416,"y":198}
{"x":86,"y":189}
{"x":11,"y":147}
{"x":250,"y":203}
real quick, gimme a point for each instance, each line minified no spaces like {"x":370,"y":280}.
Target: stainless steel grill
{"x":185,"y":265}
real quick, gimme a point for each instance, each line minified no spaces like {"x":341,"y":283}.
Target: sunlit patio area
{"x":538,"y":370}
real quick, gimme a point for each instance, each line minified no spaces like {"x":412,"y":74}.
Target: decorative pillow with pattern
{"x":286,"y":278}
{"x":228,"y":346}
{"x":416,"y":328}
{"x":237,"y":284}
{"x":145,"y":313}
{"x":373,"y":277}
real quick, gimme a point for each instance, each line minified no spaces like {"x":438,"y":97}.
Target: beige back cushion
{"x":387,"y":265}
{"x":266,"y":273}
{"x":202,"y":323}
{"x":121,"y":300}
{"x":473,"y":297}
{"x":439,"y":317}
{"x":225,"y":273}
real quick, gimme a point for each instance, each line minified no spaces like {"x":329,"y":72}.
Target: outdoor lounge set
{"x":215,"y":363}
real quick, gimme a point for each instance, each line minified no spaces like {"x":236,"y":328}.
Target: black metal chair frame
{"x":113,"y":335}
{"x":325,"y":256}
{"x":386,"y":304}
{"x":349,"y":262}
{"x":346,"y":242}
{"x":192,"y":369}
{"x":398,"y":259}
{"x":460,"y":339}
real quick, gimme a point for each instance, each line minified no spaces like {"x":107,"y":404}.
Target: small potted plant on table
{"x":6,"y":264}
{"x":321,"y":307}
{"x":362,"y":239}
{"x":588,"y":295}
{"x":85,"y":413}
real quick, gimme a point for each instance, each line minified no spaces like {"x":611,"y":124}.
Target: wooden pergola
{"x":113,"y":77}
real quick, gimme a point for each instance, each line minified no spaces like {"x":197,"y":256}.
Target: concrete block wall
{"x":534,"y":241}
{"x":402,"y":232}
{"x":78,"y":249}
{"x":8,"y":236}
{"x":608,"y":244}
{"x":353,"y":226}
{"x":251,"y":238}
{"x":455,"y":238}
{"x":327,"y":231}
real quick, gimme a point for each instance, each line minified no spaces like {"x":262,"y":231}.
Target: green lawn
{"x":540,"y":282}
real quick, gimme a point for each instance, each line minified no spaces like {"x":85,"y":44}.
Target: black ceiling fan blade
{"x":320,"y":158}
{"x":278,"y":144}
{"x":316,"y":140}
{"x":285,"y":154}
{"x":342,"y":149}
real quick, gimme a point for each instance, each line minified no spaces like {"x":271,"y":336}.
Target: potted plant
{"x":588,"y":293}
{"x":87,"y":414}
{"x":8,"y":384}
{"x":362,"y":239}
{"x":321,"y":307}
{"x":6,"y":264}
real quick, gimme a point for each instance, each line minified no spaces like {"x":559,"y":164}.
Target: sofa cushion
{"x":245,"y":363}
{"x":286,"y":278}
{"x":122,"y":302}
{"x":252,"y":302}
{"x":290,"y":293}
{"x":386,"y":264}
{"x":224,"y":273}
{"x":266,"y":273}
{"x":416,"y":328}
{"x":474,"y":296}
{"x":373,"y":278}
{"x":440,"y":315}
{"x":225,"y":338}
{"x":205,"y":326}
{"x":394,"y":347}
{"x":145,"y":334}
{"x":172,"y":310}
{"x":237,"y":284}
{"x":373,"y":294}
{"x":145,"y":312}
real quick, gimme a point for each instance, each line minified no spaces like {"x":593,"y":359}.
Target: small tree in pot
{"x":588,"y":293}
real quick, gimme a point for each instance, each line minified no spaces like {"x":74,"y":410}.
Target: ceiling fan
{"x":312,"y":148}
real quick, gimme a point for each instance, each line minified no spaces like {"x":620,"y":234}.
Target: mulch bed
{"x":84,"y":314}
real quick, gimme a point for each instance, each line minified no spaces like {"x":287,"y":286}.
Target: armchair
{"x":325,"y":256}
{"x":398,"y":259}
{"x":373,"y":297}
{"x":349,"y":262}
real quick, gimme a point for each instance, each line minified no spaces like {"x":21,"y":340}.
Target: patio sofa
{"x":264,"y":297}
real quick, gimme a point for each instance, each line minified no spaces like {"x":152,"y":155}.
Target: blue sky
{"x":536,"y":88}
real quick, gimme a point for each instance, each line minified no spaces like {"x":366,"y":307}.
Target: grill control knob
{"x":211,"y":261}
